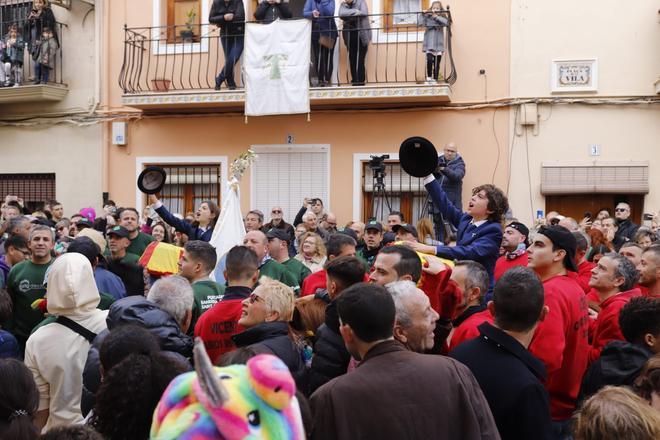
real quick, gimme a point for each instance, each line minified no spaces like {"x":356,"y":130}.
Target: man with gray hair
{"x":174,"y":295}
{"x":472,"y":278}
{"x":614,"y":279}
{"x":415,"y":319}
{"x":626,"y":228}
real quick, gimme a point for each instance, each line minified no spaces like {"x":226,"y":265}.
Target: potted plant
{"x":187,"y":34}
{"x":160,"y":84}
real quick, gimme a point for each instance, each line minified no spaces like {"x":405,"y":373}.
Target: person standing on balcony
{"x":12,"y":57}
{"x":40,"y":16}
{"x":229,"y":16}
{"x":270,"y":10}
{"x":357,"y":36}
{"x":45,"y":61}
{"x":324,"y":36}
{"x":434,"y":39}
{"x":200,"y":229}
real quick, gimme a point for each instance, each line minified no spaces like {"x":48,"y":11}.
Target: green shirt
{"x":206,"y":294}
{"x":130,"y":259}
{"x":139,"y":244}
{"x":297,"y":269}
{"x":277,"y":271}
{"x":25,"y":284}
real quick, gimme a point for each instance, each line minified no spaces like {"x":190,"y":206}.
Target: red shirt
{"x":503,"y":264}
{"x":318,"y":280}
{"x":218,"y":324}
{"x":468,"y":329}
{"x":606,"y":327}
{"x":560,"y":342}
{"x":583,"y":275}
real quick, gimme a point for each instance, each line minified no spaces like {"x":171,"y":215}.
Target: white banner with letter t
{"x":276,"y":67}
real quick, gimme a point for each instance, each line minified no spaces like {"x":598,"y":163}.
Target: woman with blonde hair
{"x":616,"y":413}
{"x":425,"y":232}
{"x":311,"y":251}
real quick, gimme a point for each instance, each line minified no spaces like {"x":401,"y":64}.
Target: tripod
{"x":380,"y":200}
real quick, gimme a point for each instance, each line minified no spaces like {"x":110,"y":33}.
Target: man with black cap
{"x":560,"y":340}
{"x":118,"y":242}
{"x":278,"y":249}
{"x":514,"y":243}
{"x":373,"y":241}
{"x":405,"y":232}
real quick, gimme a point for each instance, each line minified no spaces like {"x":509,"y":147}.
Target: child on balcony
{"x":434,"y":39}
{"x":45,"y":56}
{"x":12,"y":57}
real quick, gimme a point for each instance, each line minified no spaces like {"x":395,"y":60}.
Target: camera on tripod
{"x":377,"y":163}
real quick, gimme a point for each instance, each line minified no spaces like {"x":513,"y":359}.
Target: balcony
{"x":17,"y":84}
{"x":162,"y":72}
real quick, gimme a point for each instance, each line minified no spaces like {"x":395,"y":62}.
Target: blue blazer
{"x":193,"y":233}
{"x":480,"y":244}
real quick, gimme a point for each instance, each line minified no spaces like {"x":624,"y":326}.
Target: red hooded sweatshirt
{"x":583,"y":275}
{"x":560,"y":342}
{"x":468,"y":329}
{"x":606,"y":327}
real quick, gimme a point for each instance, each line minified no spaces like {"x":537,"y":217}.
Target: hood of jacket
{"x":71,"y":287}
{"x":138,"y":310}
{"x":622,"y":361}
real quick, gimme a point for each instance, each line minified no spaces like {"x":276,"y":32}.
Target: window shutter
{"x":613,"y":178}
{"x":284,"y":176}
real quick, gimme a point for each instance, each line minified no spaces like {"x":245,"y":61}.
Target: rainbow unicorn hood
{"x":253,"y":401}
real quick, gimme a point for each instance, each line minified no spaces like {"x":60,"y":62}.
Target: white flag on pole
{"x":229,"y":229}
{"x":276,"y":67}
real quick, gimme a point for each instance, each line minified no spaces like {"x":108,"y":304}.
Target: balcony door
{"x":284,"y":175}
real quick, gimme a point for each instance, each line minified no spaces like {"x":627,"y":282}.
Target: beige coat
{"x":55,"y":354}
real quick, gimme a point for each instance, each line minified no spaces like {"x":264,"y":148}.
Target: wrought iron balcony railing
{"x":189,"y":57}
{"x":20,"y":41}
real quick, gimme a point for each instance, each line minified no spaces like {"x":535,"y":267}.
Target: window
{"x":183,"y":21}
{"x":34,"y":189}
{"x":405,"y":11}
{"x":401,"y":192}
{"x":13,"y":11}
{"x":187,"y":186}
{"x":285,"y":174}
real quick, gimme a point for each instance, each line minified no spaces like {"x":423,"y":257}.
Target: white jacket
{"x":55,"y":354}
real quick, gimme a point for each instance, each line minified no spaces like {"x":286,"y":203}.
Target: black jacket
{"x":451,"y":178}
{"x":330,"y":355}
{"x":234,"y":27}
{"x":627,"y":230}
{"x":510,"y":378}
{"x":619,"y":364}
{"x":139,"y":311}
{"x":273,"y":337}
{"x":267,"y":13}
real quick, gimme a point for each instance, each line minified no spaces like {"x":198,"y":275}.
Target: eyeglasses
{"x":25,"y":252}
{"x":621,"y":209}
{"x":276,"y":211}
{"x":253,"y":298}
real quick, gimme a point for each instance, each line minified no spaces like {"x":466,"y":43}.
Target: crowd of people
{"x":229,"y":17}
{"x":367,"y":330}
{"x":34,"y":36}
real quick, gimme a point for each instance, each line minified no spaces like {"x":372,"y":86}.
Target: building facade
{"x":50,"y":150}
{"x":552,"y":103}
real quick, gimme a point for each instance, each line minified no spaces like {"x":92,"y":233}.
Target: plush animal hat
{"x":253,"y":401}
